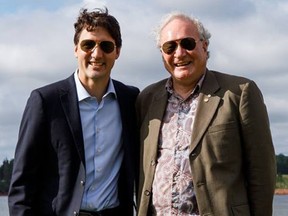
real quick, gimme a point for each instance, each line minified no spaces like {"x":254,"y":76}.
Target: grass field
{"x":282,"y":182}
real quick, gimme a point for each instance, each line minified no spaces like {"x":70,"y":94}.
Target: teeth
{"x":182,"y":64}
{"x":96,"y":63}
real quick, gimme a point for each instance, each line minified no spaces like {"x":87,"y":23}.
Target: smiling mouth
{"x":181,"y":64}
{"x":96,"y":64}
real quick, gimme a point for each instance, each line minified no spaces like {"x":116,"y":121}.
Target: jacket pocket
{"x":241,"y":210}
{"x":223,"y":143}
{"x":223,"y":127}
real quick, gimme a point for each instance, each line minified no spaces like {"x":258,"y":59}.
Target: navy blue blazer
{"x":49,"y":166}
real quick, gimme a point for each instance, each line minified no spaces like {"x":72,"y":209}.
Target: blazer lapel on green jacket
{"x":207,"y":106}
{"x":156,"y":113}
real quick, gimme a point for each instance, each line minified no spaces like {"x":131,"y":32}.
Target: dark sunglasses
{"x":90,"y":45}
{"x":186,"y":43}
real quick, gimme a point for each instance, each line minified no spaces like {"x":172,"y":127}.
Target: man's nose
{"x":97,"y":51}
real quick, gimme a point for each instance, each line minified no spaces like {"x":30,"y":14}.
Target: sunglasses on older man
{"x":186,"y":43}
{"x":90,"y":45}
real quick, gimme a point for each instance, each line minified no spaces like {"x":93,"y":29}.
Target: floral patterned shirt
{"x":173,"y":192}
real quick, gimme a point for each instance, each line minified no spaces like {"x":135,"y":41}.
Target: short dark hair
{"x":98,"y":18}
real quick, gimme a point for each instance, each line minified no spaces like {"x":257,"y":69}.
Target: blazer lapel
{"x":155,"y":116}
{"x":122,"y":101}
{"x":208,"y":104}
{"x":69,"y":100}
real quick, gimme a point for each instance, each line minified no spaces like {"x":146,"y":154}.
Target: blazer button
{"x":75,"y":213}
{"x":193,"y":154}
{"x":82,"y":183}
{"x":147,"y":193}
{"x":153,"y":163}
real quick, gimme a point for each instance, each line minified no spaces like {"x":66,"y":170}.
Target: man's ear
{"x":205,"y":46}
{"x":118,"y":50}
{"x":75,"y":51}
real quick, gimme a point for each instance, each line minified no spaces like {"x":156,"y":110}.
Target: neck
{"x":183,"y":91}
{"x":96,"y":88}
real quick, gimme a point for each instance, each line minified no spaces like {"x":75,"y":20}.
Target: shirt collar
{"x":83,"y":94}
{"x":170,"y":89}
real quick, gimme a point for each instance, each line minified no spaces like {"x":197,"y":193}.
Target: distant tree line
{"x":5,"y":176}
{"x":282,"y":164}
{"x":6,"y":170}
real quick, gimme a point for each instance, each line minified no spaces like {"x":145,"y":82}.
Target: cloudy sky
{"x":249,"y":38}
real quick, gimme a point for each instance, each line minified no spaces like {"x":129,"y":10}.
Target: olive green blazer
{"x":232,"y":156}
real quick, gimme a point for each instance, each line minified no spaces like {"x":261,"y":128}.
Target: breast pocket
{"x":223,"y":141}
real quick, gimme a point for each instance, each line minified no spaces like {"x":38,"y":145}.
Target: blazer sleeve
{"x":259,"y":155}
{"x":29,"y":155}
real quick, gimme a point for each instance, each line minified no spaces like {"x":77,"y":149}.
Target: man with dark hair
{"x":77,"y":153}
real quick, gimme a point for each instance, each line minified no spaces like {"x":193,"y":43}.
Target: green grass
{"x":282,"y":181}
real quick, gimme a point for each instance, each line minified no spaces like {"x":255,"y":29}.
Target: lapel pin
{"x":207,"y":98}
